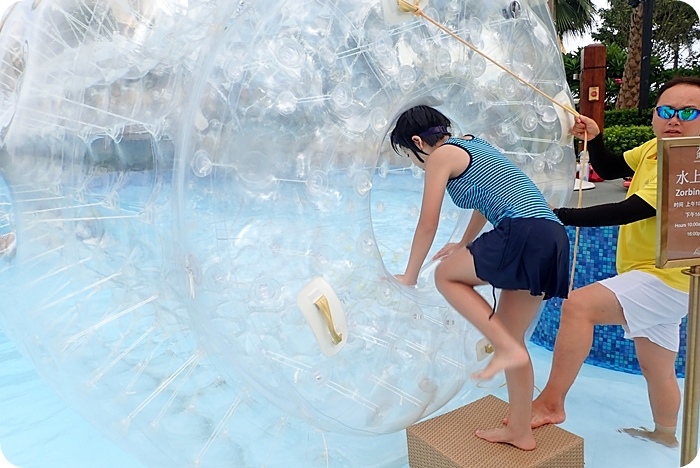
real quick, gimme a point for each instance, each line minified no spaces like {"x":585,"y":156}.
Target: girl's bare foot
{"x":503,"y":359}
{"x":544,"y":413}
{"x":662,"y":437}
{"x":525,"y":441}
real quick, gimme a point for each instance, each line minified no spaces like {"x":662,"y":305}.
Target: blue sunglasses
{"x":686,"y":114}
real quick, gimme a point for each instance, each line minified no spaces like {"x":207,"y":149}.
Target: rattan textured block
{"x":448,"y":441}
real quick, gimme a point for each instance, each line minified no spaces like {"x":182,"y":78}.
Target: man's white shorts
{"x":651,"y":308}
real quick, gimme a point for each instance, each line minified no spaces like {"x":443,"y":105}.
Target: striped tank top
{"x":495,"y":186}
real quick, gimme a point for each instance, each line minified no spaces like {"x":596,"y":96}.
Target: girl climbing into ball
{"x":526,"y":255}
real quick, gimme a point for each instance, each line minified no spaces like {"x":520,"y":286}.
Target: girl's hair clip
{"x":433,"y":131}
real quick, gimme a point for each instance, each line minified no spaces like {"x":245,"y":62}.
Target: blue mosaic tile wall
{"x":596,"y":261}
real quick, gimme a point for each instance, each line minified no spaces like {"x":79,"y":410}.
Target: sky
{"x":4,"y":4}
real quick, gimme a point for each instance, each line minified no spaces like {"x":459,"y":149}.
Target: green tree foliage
{"x":628,"y":117}
{"x":614,"y":24}
{"x":619,"y":139}
{"x":573,"y":17}
{"x":675,"y":29}
{"x":678,"y":29}
{"x":616,"y":58}
{"x":572,"y":68}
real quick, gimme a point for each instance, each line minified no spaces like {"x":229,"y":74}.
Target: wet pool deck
{"x":608,"y":191}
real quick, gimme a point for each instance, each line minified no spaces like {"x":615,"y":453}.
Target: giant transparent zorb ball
{"x":92,"y":96}
{"x":198,"y":224}
{"x":285,"y":280}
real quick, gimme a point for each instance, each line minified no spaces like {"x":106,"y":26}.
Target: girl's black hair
{"x":424,"y":121}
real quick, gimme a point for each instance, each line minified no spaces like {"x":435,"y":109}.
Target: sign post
{"x":678,"y":245}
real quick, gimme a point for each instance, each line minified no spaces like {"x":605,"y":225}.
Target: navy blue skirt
{"x":524,"y":253}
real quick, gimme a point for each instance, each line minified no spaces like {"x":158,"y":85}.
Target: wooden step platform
{"x":448,"y":441}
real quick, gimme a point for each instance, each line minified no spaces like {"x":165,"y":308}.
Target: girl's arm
{"x":437,"y":173}
{"x":476,"y":224}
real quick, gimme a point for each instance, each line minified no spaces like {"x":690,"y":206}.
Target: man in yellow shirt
{"x":647,"y":301}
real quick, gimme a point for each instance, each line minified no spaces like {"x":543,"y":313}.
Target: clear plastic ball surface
{"x":201,"y":214}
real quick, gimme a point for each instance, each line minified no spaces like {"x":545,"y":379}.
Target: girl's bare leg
{"x":455,"y":278}
{"x":516,"y":310}
{"x":506,"y":332}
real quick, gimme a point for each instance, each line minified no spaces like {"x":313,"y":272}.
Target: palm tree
{"x":631,"y":76}
{"x":572,"y":17}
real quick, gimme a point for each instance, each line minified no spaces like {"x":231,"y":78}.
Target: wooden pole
{"x":592,"y":98}
{"x":553,"y":12}
{"x":691,"y":394}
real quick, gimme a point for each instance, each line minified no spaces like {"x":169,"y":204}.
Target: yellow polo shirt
{"x":636,"y":244}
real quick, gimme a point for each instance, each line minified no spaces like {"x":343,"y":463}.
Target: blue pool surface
{"x":37,"y":430}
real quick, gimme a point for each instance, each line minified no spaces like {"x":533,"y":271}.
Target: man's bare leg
{"x":588,"y":306}
{"x":658,"y":368}
{"x":660,"y":434}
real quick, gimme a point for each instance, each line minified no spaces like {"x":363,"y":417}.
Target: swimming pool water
{"x":600,"y":402}
{"x":38,"y":430}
